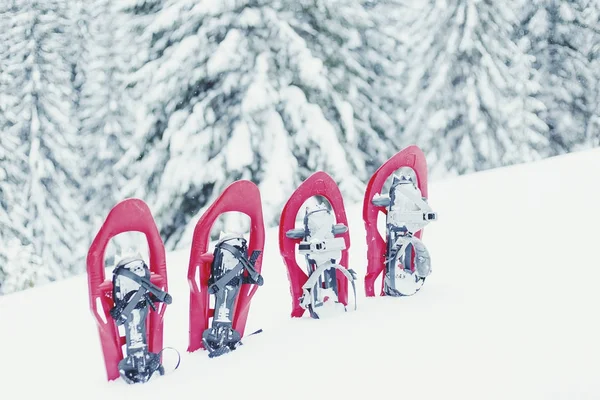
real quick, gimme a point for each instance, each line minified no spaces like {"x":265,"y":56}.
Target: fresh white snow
{"x":509,"y":312}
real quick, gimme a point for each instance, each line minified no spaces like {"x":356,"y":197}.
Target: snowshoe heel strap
{"x":160,"y":353}
{"x":312,"y":280}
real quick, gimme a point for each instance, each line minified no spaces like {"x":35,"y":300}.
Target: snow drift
{"x":510,"y":311}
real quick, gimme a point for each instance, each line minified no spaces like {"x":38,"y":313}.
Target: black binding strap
{"x":244,"y":264}
{"x":148,"y":293}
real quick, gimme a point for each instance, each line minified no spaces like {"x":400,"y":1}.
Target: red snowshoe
{"x":125,"y":299}
{"x":401,"y":256}
{"x":229,"y":273}
{"x":323,"y":242}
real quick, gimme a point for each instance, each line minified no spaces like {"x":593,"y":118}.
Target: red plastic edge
{"x":128,"y":215}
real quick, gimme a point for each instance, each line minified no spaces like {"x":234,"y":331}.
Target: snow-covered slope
{"x":510,"y":312}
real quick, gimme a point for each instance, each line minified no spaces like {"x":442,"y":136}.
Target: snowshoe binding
{"x":322,"y":251}
{"x":407,"y":261}
{"x":230,"y":269}
{"x":133,"y":293}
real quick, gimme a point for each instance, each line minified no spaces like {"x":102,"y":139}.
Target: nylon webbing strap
{"x":225,"y":279}
{"x":243,"y":263}
{"x":254,"y":275}
{"x":160,"y":294}
{"x":145,"y":286}
{"x":132,"y":303}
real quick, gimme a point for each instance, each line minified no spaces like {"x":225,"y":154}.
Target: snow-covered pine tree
{"x":135,"y":17}
{"x":362,"y":49}
{"x":560,"y":35}
{"x":251,"y":90}
{"x":20,"y":267}
{"x":105,"y":114}
{"x":5,"y":151}
{"x":13,"y":159}
{"x":13,"y":175}
{"x":78,"y":19}
{"x":593,"y":131}
{"x":469,"y":88}
{"x":592,"y":20}
{"x":43,"y":178}
{"x":24,"y":269}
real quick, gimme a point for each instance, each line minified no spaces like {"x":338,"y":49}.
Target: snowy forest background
{"x":172,"y":100}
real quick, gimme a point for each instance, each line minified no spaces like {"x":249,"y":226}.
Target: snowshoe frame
{"x":411,"y":157}
{"x":241,"y":196}
{"x":129,"y":215}
{"x":319,"y":183}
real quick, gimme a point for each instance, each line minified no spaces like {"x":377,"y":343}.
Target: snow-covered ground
{"x":510,"y":312}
